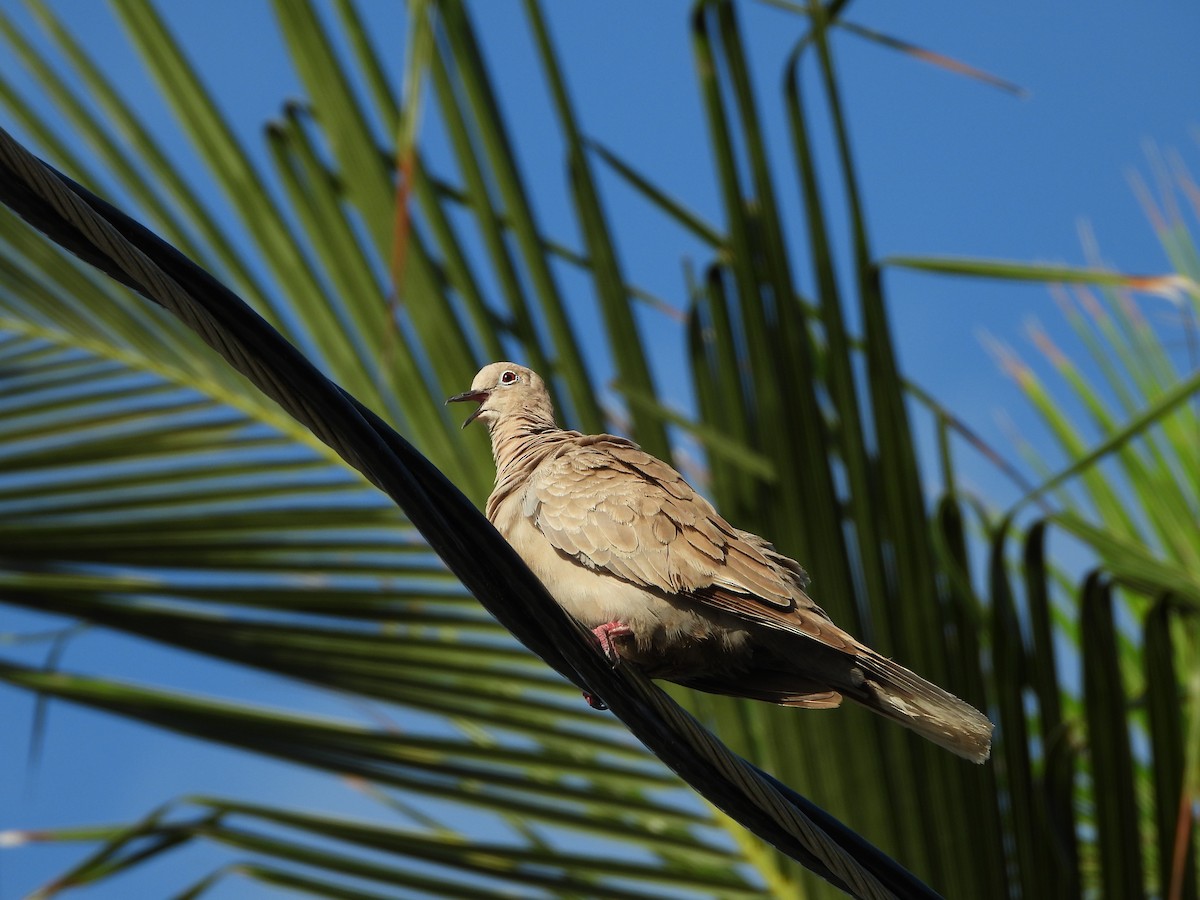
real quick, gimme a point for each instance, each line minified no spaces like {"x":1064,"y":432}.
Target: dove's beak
{"x":477,"y":396}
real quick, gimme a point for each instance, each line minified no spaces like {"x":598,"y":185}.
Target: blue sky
{"x":949,"y":167}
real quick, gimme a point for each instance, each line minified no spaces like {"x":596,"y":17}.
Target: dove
{"x":632,"y":551}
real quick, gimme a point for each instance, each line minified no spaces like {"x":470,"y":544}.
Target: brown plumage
{"x":626,"y":546}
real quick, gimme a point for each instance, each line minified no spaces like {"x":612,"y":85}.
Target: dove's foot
{"x":605,"y":634}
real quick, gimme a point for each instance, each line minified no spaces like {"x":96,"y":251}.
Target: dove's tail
{"x":905,"y":697}
{"x":873,"y":681}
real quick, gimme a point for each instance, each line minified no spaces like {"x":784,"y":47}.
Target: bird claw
{"x":605,"y":634}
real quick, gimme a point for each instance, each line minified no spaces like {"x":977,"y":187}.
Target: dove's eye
{"x":509,"y":377}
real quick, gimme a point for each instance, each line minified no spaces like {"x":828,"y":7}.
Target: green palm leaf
{"x":148,"y":490}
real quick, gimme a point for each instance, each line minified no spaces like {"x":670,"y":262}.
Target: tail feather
{"x":905,"y":697}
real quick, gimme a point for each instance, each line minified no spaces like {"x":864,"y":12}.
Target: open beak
{"x":477,"y":396}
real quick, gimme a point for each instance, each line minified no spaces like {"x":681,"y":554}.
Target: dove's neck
{"x":517,"y":440}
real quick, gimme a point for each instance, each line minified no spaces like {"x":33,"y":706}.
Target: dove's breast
{"x":673,"y":636}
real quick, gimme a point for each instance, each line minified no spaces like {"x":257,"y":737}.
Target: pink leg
{"x":605,"y":634}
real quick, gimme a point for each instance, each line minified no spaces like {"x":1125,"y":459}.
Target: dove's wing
{"x":618,"y":510}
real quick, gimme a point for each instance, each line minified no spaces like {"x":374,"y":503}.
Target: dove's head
{"x":503,"y":390}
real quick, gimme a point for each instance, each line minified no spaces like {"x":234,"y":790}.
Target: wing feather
{"x":615,"y":508}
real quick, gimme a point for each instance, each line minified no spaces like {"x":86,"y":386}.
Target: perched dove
{"x":628,"y":548}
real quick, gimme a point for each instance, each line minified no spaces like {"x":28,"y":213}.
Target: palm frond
{"x":147,"y":489}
